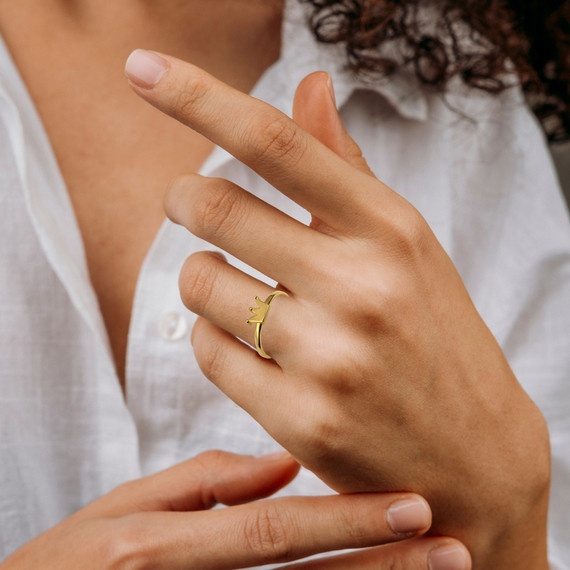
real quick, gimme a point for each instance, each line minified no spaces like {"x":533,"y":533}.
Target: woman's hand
{"x":384,"y":377}
{"x":161,"y":522}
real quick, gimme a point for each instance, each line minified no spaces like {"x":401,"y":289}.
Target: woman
{"x":392,"y":382}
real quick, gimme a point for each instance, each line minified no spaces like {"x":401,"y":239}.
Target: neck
{"x":71,"y":55}
{"x":235,"y":40}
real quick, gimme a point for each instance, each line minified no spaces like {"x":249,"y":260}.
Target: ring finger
{"x":217,"y":291}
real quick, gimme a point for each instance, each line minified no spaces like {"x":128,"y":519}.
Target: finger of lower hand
{"x":199,"y":483}
{"x":260,"y":136}
{"x":270,"y":531}
{"x":414,"y":554}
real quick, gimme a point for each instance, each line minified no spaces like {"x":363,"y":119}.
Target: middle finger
{"x":234,"y":220}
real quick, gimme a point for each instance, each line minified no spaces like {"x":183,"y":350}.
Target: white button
{"x":172,"y":326}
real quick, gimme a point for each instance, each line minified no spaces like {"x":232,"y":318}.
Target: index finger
{"x":258,"y":135}
{"x":272,"y":531}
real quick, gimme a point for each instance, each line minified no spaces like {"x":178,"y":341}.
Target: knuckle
{"x":212,"y":359}
{"x":197,"y":279}
{"x":323,"y":439}
{"x":383,"y":297}
{"x":177,"y":191}
{"x":412,"y":235}
{"x":191,"y":93}
{"x":321,"y":430}
{"x":209,"y":465}
{"x":333,"y":362}
{"x":212,"y":460}
{"x":379,"y":310}
{"x":357,"y":159}
{"x":218,"y":211}
{"x":266,"y":533}
{"x":356,"y":525}
{"x":279,"y":139}
{"x":124,"y":546}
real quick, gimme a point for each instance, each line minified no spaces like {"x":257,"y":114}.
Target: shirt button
{"x":172,"y":326}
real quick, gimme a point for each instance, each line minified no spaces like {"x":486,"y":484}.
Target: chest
{"x":115,"y":152}
{"x":117,"y":163}
{"x":117,"y":156}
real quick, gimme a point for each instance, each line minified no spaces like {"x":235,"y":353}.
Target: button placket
{"x":172,"y":326}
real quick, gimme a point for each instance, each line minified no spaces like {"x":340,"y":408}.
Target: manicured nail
{"x":408,"y":515}
{"x":276,"y":456}
{"x":331,"y":89}
{"x":145,"y":68}
{"x":450,"y":557}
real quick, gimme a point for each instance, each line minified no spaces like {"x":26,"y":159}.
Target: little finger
{"x":239,"y":372}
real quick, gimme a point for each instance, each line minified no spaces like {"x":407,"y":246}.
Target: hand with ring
{"x":382,"y":376}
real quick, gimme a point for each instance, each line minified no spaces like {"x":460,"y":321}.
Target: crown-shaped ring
{"x":260,"y":314}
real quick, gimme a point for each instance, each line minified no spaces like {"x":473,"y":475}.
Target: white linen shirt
{"x":67,"y":434}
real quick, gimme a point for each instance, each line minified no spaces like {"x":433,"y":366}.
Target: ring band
{"x":261,"y":312}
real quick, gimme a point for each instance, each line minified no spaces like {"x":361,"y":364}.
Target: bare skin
{"x":164,"y":522}
{"x":116,"y":182}
{"x":404,"y":386}
{"x":115,"y":173}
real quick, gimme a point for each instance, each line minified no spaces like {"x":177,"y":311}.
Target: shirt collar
{"x":301,"y":54}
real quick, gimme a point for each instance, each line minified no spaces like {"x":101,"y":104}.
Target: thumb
{"x":314,"y":109}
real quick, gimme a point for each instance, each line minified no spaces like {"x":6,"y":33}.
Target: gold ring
{"x":261,"y":312}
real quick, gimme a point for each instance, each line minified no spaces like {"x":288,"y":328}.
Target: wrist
{"x":507,"y":526}
{"x":513,"y":546}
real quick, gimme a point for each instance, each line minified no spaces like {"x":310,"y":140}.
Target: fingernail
{"x":450,"y":557}
{"x":145,"y":68}
{"x":331,"y":89}
{"x":408,"y":515}
{"x":276,"y":456}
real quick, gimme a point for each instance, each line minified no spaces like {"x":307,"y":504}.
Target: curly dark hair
{"x":480,"y":41}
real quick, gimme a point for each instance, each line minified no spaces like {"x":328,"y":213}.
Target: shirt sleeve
{"x":479,"y":170}
{"x":511,"y":243}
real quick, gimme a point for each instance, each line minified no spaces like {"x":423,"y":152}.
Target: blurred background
{"x":561,"y":155}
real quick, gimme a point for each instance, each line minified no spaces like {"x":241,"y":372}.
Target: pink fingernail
{"x":449,"y":557}
{"x":408,"y":515}
{"x":331,"y":89}
{"x":145,"y":68}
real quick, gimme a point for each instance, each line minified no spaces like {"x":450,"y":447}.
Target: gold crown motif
{"x":260,"y":312}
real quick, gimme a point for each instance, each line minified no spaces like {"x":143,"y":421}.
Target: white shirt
{"x":67,"y":435}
